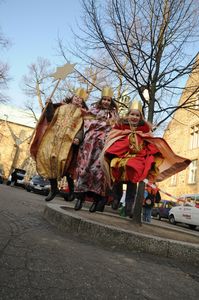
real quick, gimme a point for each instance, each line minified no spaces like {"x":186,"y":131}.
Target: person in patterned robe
{"x":90,"y":177}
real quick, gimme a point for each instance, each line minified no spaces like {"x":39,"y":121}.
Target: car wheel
{"x":192,"y":226}
{"x":172,"y":219}
{"x":158,"y":217}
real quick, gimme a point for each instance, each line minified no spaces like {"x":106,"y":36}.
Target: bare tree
{"x":36,"y":83}
{"x":4,"y":68}
{"x":94,"y":77}
{"x":148,"y":44}
{"x":89,"y":76}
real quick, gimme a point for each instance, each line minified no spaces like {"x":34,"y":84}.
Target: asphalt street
{"x":39,"y":262}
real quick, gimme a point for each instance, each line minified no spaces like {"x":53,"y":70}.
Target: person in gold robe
{"x":57,"y":139}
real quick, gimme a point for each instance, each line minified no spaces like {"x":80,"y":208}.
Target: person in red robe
{"x":131,"y":154}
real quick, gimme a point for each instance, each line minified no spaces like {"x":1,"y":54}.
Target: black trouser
{"x":70,"y":183}
{"x":117,"y":191}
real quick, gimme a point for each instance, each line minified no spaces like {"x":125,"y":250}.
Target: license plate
{"x":38,"y":187}
{"x":19,"y":181}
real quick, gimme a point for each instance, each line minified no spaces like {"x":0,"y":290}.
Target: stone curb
{"x":118,"y":238}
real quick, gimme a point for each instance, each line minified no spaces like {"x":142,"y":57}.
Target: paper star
{"x":62,"y":72}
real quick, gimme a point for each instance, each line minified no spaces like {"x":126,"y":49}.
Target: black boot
{"x":117,"y":192}
{"x":80,"y":197}
{"x":54,"y":190}
{"x":98,"y":203}
{"x":129,"y":199}
{"x":115,"y":204}
{"x":93,"y":206}
{"x":71,"y":195}
{"x":101,"y":204}
{"x":128,"y":209}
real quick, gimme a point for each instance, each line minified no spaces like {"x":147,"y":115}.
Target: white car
{"x":186,"y":213}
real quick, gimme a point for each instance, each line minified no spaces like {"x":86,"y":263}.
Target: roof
{"x":17,"y":115}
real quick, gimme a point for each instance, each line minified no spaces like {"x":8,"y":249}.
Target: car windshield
{"x":39,"y":179}
{"x":189,"y":197}
{"x":20,"y":171}
{"x":166,"y":203}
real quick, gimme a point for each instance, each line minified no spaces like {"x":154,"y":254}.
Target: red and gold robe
{"x":133,"y":155}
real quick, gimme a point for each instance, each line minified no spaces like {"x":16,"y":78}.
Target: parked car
{"x":161,"y":209}
{"x":187,"y":213}
{"x":38,"y":184}
{"x":189,"y":198}
{"x":17,"y":178}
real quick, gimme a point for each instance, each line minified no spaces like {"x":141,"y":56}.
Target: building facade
{"x":16,"y":131}
{"x":182,"y":134}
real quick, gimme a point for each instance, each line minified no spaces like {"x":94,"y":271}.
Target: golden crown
{"x":107,"y":92}
{"x":136,"y":104}
{"x":82,"y":93}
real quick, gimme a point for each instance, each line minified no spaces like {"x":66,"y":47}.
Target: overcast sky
{"x":33,"y":27}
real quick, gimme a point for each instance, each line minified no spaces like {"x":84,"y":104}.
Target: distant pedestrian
{"x":151,"y":196}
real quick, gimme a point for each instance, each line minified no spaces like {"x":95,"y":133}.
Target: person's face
{"x":106,"y":102}
{"x":77,"y":100}
{"x":134,"y":117}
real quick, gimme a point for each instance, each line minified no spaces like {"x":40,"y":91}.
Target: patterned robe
{"x":90,"y":176}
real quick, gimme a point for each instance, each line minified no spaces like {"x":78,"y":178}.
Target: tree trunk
{"x":138,"y":204}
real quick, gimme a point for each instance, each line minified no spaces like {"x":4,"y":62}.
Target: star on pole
{"x":59,"y":74}
{"x":62,"y":72}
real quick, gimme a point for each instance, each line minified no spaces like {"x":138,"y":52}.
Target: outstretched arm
{"x":49,"y":112}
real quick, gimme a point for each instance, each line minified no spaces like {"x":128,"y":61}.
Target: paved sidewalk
{"x":39,"y":262}
{"x":111,"y":230}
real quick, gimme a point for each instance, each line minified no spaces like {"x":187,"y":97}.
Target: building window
{"x":192,"y":172}
{"x":197,"y":102}
{"x":174,"y":180}
{"x":194,"y":140}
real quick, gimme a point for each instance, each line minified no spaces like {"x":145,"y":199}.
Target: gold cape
{"x":54,"y":152}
